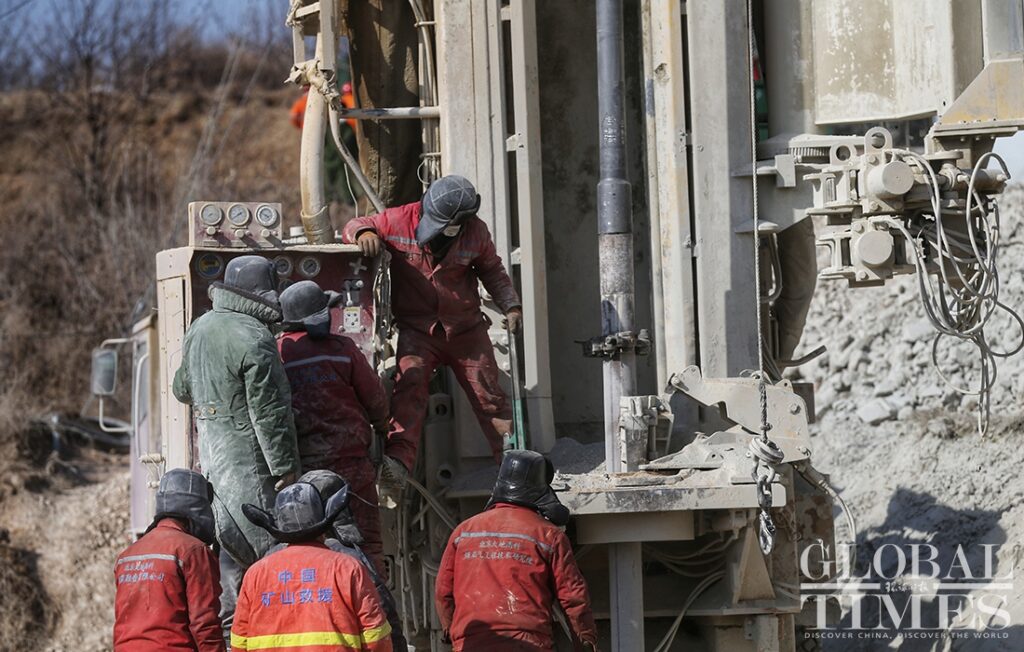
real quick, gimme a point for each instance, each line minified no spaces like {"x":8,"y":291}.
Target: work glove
{"x":369,"y":244}
{"x":394,"y":474}
{"x":284,"y":481}
{"x":513,"y":320}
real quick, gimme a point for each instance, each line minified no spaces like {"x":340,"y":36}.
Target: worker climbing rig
{"x":707,"y":497}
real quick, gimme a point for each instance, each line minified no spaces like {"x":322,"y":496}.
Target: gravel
{"x":903,"y":448}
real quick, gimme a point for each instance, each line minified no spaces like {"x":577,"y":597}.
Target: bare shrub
{"x":23,"y":603}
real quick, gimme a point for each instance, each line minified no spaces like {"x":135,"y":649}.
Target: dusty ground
{"x":923,"y":474}
{"x":72,"y":523}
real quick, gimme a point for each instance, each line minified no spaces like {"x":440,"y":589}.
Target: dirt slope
{"x":62,"y":525}
{"x":74,"y":530}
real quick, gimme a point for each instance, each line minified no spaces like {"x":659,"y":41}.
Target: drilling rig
{"x":657,"y":176}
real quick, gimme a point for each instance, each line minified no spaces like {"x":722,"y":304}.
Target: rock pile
{"x":903,"y":448}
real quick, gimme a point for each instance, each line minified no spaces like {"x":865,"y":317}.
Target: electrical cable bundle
{"x":965,"y":292}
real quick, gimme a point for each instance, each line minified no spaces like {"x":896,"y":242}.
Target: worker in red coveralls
{"x":168,"y":582}
{"x":504,"y":568}
{"x":338,"y":402}
{"x":307,"y":596}
{"x":440,"y":250}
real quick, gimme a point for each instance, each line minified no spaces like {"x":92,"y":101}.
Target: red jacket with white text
{"x":425,"y":294}
{"x":500,"y":575}
{"x":168,"y":593}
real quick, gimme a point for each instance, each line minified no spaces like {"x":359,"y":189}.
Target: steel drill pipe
{"x":615,"y":252}
{"x":614,"y":216}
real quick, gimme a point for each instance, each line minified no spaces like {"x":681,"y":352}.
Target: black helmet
{"x":308,"y":308}
{"x":254,"y":276}
{"x":447,"y":202}
{"x":187,"y":495}
{"x":299,"y":513}
{"x":329,"y":483}
{"x":525,"y":479}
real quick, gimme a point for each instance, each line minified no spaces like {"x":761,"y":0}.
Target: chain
{"x":764,"y":451}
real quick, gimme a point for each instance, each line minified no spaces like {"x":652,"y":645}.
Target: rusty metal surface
{"x":994,"y":99}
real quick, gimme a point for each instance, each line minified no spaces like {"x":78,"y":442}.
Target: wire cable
{"x":765,"y":452}
{"x":670,"y":636}
{"x":965,"y":293}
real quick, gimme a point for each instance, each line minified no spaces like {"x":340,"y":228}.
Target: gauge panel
{"x":345,"y":272}
{"x":254,"y":225}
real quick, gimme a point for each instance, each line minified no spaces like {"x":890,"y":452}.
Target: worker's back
{"x":233,"y":379}
{"x":503,"y":570}
{"x":310,"y":597}
{"x":335,"y":395}
{"x":168,"y":586}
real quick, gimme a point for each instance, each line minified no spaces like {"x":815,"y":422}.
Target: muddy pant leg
{"x":471,"y":358}
{"x":230,"y":584}
{"x":361,"y":477}
{"x":417,"y":360}
{"x":799,"y":277}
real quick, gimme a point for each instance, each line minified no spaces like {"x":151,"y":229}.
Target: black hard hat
{"x":187,"y":495}
{"x":448,"y":201}
{"x":525,"y":479}
{"x":329,"y":483}
{"x":253,"y":275}
{"x":308,"y":308}
{"x":299,"y":513}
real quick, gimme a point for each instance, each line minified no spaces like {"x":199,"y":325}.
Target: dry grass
{"x":98,"y":163}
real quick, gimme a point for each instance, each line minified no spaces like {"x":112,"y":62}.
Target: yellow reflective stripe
{"x":377,"y":633}
{"x":304,"y":639}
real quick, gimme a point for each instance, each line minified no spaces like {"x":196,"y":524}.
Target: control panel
{"x":251,"y":225}
{"x":340,"y":268}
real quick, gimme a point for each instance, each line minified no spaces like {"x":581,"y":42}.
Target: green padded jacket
{"x":232,"y":377}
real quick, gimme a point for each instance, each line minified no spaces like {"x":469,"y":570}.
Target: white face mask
{"x":452,"y":230}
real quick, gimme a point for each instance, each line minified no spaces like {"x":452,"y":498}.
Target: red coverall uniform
{"x":500,"y":575}
{"x":437,"y":310}
{"x":336,"y":396}
{"x":168,"y":593}
{"x":307,"y":598}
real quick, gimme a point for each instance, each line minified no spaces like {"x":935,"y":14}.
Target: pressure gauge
{"x":267,"y":215}
{"x":283,"y":264}
{"x":309,"y":266}
{"x":209,"y":266}
{"x":238,"y":215}
{"x":211,"y":215}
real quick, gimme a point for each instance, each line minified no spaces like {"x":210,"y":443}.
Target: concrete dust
{"x":903,"y":448}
